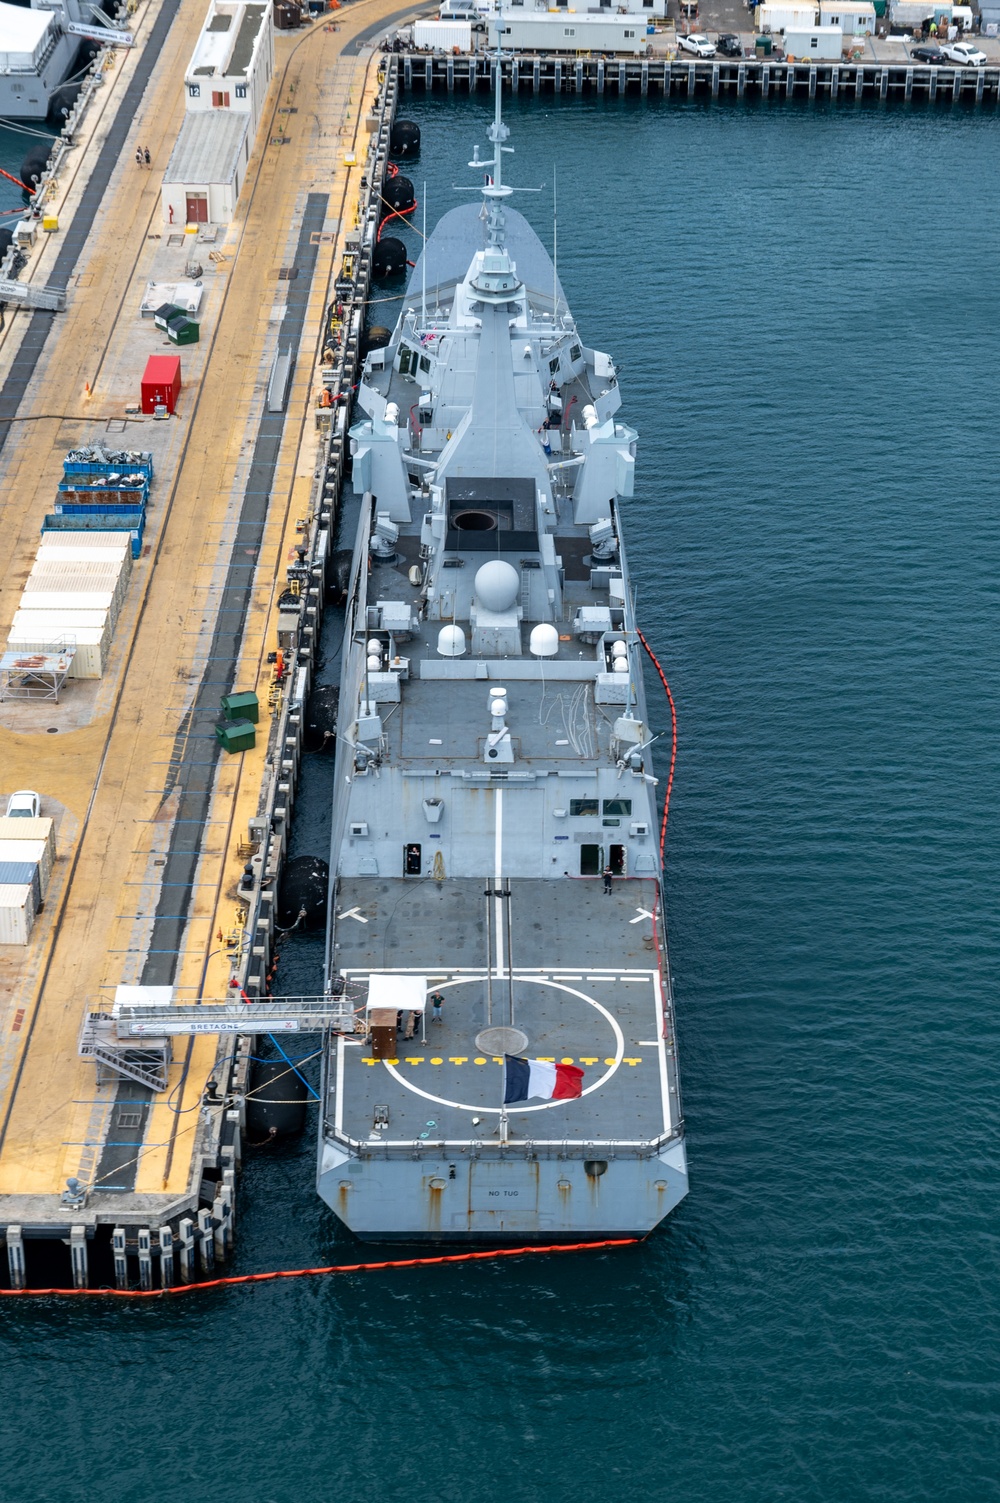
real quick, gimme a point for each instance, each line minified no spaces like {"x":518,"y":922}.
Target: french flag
{"x":524,"y":1078}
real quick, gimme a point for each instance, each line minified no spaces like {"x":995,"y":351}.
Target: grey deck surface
{"x":574,"y":946}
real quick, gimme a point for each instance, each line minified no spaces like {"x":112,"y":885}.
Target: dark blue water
{"x":807,"y":313}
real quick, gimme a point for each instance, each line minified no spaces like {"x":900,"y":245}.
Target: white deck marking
{"x":544,"y":1106}
{"x":354,"y":914}
{"x":641,"y":913}
{"x":497,"y":870}
{"x":661,"y":1049}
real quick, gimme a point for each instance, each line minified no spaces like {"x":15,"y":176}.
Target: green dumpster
{"x":236,"y":735}
{"x":241,"y":707}
{"x":182,"y":331}
{"x":763,"y":44}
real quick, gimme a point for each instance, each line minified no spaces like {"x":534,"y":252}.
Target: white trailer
{"x":569,"y":31}
{"x":823,"y":44}
{"x":855,"y":19}
{"x":775,"y":18}
{"x":443,"y":36}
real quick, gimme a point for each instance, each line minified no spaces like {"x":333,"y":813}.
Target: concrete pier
{"x":720,"y":76}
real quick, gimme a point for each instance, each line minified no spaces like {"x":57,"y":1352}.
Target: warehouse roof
{"x":208,"y":147}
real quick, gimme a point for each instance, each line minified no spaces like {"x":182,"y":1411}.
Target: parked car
{"x":964,"y":54}
{"x":698,"y":44}
{"x":730,"y":45}
{"x":23,"y":805}
{"x":928,"y":54}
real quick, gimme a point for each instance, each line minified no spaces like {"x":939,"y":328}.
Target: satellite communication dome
{"x":620,"y":665}
{"x":451,"y":642}
{"x":544,"y":640}
{"x":497,"y":585}
{"x":619,"y":649}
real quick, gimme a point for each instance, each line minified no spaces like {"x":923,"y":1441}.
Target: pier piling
{"x":166,"y":1257}
{"x":145,"y":1258}
{"x":78,"y":1255}
{"x":185,"y":1236}
{"x":120,"y":1257}
{"x":15,"y":1256}
{"x":206,"y":1240}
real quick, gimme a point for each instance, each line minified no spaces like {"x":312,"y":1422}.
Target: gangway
{"x":49,"y":299}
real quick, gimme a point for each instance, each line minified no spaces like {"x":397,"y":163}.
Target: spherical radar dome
{"x":451,"y":641}
{"x":497,"y":585}
{"x":544,"y":640}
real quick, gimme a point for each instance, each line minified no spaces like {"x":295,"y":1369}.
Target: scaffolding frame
{"x":37,"y":675}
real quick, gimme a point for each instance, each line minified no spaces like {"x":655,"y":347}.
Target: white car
{"x":698,"y":44}
{"x":964,"y":54}
{"x":23,"y":805}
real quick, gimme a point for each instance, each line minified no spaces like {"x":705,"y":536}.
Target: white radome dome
{"x":544,"y":640}
{"x":620,"y":665}
{"x":497,"y":585}
{"x":619,"y":649}
{"x":451,"y":642}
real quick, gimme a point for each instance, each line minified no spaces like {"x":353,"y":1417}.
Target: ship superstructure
{"x":495,"y":872}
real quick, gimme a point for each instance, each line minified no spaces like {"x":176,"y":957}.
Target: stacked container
{"x":27,"y":851}
{"x":17,"y":913}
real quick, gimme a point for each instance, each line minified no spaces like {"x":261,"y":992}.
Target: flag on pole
{"x":524,"y":1078}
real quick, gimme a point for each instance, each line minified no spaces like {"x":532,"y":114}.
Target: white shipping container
{"x":71,"y":553}
{"x":58,"y":603}
{"x":65,"y":626}
{"x":443,"y":36}
{"x":88,"y":540}
{"x":31,"y":829}
{"x":570,"y":31}
{"x":89,"y":659}
{"x":821,"y":44}
{"x":912,"y":12}
{"x":35,"y":851}
{"x":97,"y":574}
{"x":17,"y":914}
{"x":776,"y":18}
{"x":854,"y":17}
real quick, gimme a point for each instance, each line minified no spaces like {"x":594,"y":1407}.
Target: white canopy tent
{"x":396,"y":994}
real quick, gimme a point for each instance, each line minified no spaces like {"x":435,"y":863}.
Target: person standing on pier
{"x":138,"y":156}
{"x":147,"y":158}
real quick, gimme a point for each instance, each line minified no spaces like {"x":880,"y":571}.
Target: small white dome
{"x":374,"y":662}
{"x":620,"y":665}
{"x":544,"y":640}
{"x":373,"y":645}
{"x":497,"y":585}
{"x":619,"y":649}
{"x":451,"y":642}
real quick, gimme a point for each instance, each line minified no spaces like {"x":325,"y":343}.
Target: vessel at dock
{"x":494,"y":845}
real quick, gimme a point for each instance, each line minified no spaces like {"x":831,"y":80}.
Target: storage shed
{"x":569,"y":31}
{"x":206,"y":169}
{"x":856,"y":18}
{"x":161,"y":380}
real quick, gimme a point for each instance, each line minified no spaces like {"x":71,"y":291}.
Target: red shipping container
{"x":161,"y":382}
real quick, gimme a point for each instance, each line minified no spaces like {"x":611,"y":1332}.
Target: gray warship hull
{"x":496,"y":889}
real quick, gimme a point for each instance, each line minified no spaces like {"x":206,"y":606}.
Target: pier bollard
{"x":185,"y":1235}
{"x":206,"y":1240}
{"x":145,"y":1258}
{"x":120,"y":1257}
{"x":15,"y":1256}
{"x":78,"y":1255}
{"x":166,"y":1257}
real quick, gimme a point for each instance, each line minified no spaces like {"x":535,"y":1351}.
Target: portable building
{"x":207,"y":168}
{"x":161,"y":381}
{"x":103,"y":524}
{"x":569,"y":31}
{"x":37,"y":852}
{"x":59,"y":605}
{"x":778,"y":17}
{"x":22,"y":874}
{"x":443,"y":36}
{"x":98,"y":576}
{"x":820,"y":44}
{"x":42,"y":829}
{"x":90,"y":542}
{"x":909,"y":14}
{"x":53,"y":552}
{"x":68,"y":627}
{"x":856,"y":18}
{"x":17,"y":913}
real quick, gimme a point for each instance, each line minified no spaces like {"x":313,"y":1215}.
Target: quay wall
{"x":733,"y":77}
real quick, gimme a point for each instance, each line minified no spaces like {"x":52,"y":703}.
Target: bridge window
{"x":618,"y":806}
{"x":583,"y":806}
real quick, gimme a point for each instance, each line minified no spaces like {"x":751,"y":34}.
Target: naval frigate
{"x":496,"y":885}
